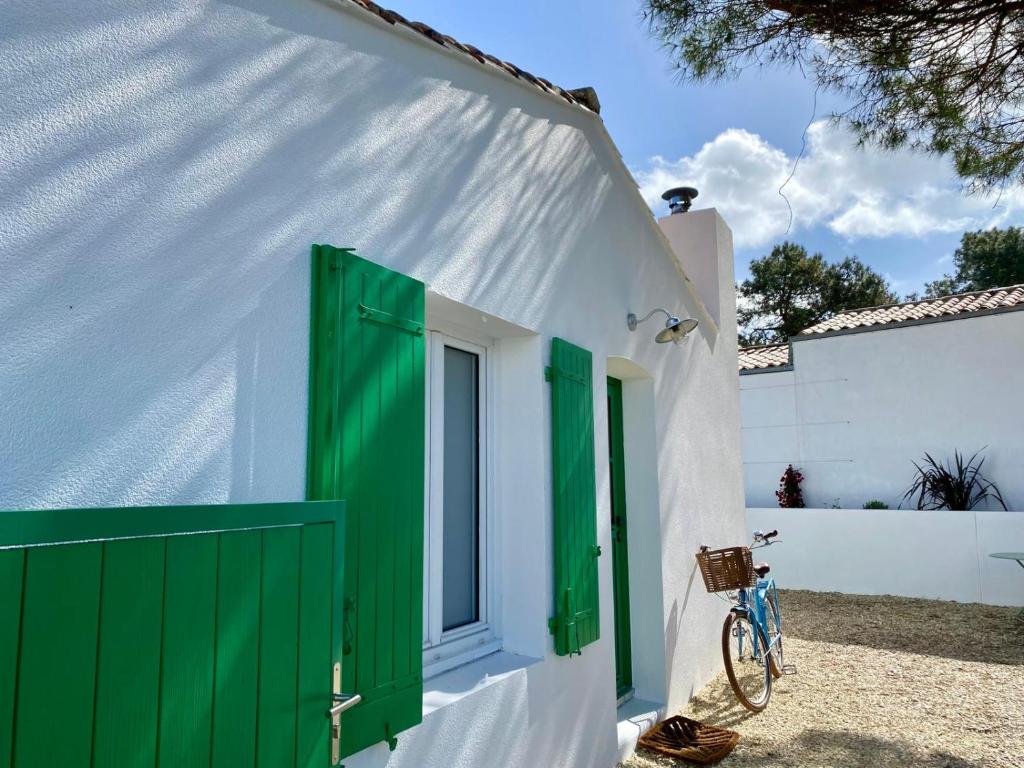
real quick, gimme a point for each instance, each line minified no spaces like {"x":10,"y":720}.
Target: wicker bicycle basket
{"x":727,"y":569}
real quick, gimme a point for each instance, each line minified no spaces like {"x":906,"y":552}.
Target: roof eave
{"x":767,"y":369}
{"x":583,"y":99}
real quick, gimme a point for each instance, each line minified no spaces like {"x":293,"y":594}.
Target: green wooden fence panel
{"x":576,"y":622}
{"x":366,"y":445}
{"x":12,"y":567}
{"x":186,"y":679}
{"x":125,"y":643}
{"x":57,"y":666}
{"x":236,"y":665}
{"x":315,"y":588}
{"x":279,"y":621}
{"x":128,"y":661}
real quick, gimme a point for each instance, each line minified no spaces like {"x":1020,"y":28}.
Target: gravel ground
{"x":883,"y":682}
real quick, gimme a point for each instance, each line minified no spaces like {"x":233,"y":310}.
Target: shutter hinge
{"x":551,"y":371}
{"x":386,"y":318}
{"x":332,"y":266}
{"x":597,"y":550}
{"x":568,"y":622}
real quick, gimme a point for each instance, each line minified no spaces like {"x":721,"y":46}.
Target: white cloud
{"x":857,"y":192}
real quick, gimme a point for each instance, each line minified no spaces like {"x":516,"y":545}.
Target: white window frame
{"x":443,"y":650}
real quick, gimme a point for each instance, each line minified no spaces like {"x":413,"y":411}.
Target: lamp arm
{"x":632,"y":322}
{"x":648,"y":316}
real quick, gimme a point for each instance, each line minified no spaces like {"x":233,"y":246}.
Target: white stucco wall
{"x":165,"y":168}
{"x":857,"y":409}
{"x":939,"y":555}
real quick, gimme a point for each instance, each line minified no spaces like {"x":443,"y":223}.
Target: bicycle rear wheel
{"x":748,"y":668}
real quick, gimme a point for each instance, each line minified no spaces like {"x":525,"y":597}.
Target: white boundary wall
{"x":858,"y":409}
{"x":940,"y":555}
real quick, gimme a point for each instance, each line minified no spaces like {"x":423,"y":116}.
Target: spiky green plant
{"x":957,"y":485}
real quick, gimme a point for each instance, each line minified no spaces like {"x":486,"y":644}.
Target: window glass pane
{"x":460,"y":566}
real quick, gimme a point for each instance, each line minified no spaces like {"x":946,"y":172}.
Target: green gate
{"x":170,"y":636}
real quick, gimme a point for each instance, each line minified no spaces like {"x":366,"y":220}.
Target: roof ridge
{"x":933,"y":298}
{"x":764,"y":346}
{"x":988,"y":300}
{"x":585,"y":97}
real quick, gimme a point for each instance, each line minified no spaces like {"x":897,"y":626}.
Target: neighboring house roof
{"x":585,"y":97}
{"x":768,"y":356}
{"x":994,"y":299}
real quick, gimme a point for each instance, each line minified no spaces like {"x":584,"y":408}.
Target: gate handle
{"x":343,"y":701}
{"x":340,"y":702}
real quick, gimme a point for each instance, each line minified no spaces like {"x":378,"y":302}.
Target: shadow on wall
{"x":516,"y":139}
{"x":157,"y":347}
{"x":674,"y":623}
{"x":262,"y":422}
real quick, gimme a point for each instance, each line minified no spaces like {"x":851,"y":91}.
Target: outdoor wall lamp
{"x":675,"y":330}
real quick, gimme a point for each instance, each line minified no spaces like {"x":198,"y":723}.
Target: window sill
{"x":459,"y":653}
{"x":455,"y":684}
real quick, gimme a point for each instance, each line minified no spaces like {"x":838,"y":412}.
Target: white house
{"x":453,"y":360}
{"x":855,"y":400}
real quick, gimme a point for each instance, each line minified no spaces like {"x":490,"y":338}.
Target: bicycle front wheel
{"x":774,"y":633}
{"x":745,"y":652}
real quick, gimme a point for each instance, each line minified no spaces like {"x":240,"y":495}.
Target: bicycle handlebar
{"x":760,"y":536}
{"x":763,"y":539}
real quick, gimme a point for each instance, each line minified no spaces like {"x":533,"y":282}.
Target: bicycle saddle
{"x":761,"y":569}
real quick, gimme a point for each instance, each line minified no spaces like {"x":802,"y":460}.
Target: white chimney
{"x":702,"y":242}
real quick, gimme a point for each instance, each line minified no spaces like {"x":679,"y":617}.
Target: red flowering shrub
{"x":789,"y":493}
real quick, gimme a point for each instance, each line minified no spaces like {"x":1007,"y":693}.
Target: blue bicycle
{"x":752,"y":632}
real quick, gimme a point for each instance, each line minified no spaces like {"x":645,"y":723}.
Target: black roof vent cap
{"x":680,"y":198}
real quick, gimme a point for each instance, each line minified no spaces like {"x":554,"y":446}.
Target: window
{"x":458,"y":625}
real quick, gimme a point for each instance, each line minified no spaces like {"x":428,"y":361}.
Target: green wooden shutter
{"x":169,"y":636}
{"x":366,"y":445}
{"x":576,"y":622}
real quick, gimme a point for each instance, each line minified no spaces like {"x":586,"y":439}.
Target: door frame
{"x":620,"y":538}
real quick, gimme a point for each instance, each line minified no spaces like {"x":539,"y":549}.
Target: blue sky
{"x":901,"y":213}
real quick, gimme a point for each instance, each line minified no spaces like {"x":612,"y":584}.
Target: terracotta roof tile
{"x":584,"y":97}
{"x":890,"y":314}
{"x":768,"y":356}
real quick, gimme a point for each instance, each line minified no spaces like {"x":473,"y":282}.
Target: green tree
{"x":945,"y":76}
{"x":988,"y":258}
{"x":852,"y":284}
{"x":789,"y":290}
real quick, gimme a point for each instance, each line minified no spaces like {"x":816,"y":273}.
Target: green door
{"x":169,"y":636}
{"x":620,"y":557}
